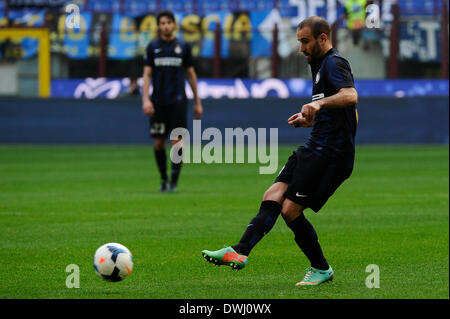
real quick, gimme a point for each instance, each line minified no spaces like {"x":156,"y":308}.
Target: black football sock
{"x":306,"y":238}
{"x":161,"y":160}
{"x":176,"y":169}
{"x":260,"y":225}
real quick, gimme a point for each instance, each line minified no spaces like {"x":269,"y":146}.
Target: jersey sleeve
{"x":148,"y":56}
{"x":339,"y":73}
{"x":187,"y":59}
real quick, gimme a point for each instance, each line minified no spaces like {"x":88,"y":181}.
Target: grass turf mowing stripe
{"x":58,"y":204}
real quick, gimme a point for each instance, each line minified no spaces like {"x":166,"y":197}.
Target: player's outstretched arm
{"x":344,"y":98}
{"x":147,"y":105}
{"x":192,"y":79}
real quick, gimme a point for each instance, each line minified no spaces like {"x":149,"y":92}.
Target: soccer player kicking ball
{"x":166,"y":60}
{"x":314,"y":171}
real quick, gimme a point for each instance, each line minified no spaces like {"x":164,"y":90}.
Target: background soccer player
{"x":166,"y":60}
{"x":314,"y":171}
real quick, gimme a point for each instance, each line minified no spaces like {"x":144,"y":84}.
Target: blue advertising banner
{"x":30,"y":18}
{"x":197,"y":30}
{"x":209,"y":24}
{"x":416,"y":120}
{"x":261,"y":41}
{"x":76,"y":40}
{"x":249,"y":88}
{"x":122,"y":43}
{"x":420,"y":40}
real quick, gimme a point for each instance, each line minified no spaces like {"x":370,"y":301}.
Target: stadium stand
{"x":178,"y":5}
{"x":104,"y":6}
{"x":135,"y":7}
{"x":419,"y":8}
{"x":419,"y":43}
{"x":256,"y":5}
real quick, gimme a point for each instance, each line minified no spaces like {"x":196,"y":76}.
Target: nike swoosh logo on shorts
{"x":298,"y":195}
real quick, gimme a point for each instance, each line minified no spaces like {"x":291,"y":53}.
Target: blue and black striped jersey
{"x":334,"y":129}
{"x":168,"y":60}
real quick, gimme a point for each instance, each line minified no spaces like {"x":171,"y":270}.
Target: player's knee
{"x":275,"y":193}
{"x":286,"y":214}
{"x":159,"y":144}
{"x":290,"y":211}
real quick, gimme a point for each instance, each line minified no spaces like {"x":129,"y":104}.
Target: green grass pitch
{"x":59,"y":203}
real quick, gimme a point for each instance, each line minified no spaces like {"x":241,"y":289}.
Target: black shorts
{"x":166,"y":118}
{"x":313,"y":178}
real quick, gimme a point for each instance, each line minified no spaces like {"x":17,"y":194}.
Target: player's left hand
{"x":297,"y":120}
{"x":309,"y":111}
{"x":198,"y":110}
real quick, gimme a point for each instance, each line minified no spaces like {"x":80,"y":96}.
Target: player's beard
{"x":315,"y":53}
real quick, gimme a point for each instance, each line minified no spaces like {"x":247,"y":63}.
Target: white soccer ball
{"x":113,"y":262}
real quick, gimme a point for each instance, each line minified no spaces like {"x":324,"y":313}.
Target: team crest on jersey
{"x":317,"y":78}
{"x":177,"y":49}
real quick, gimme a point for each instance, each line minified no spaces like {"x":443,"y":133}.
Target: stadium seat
{"x":104,"y":5}
{"x":138,"y":7}
{"x":257,"y":5}
{"x":286,"y":10}
{"x":208,"y":6}
{"x":418,"y":7}
{"x":178,"y":5}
